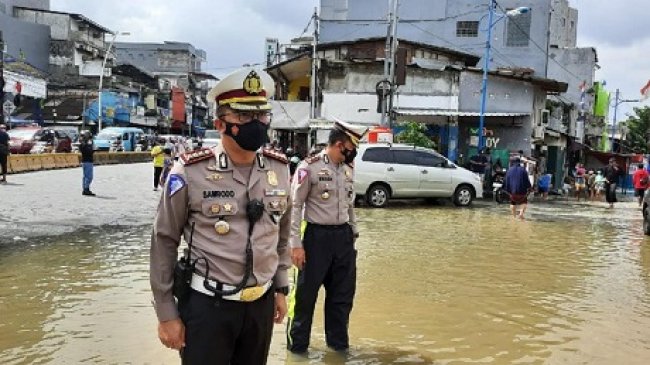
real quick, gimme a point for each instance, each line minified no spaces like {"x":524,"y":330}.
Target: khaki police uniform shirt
{"x":212,"y":191}
{"x":322,"y":192}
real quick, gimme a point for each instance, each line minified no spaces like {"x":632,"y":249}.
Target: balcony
{"x":556,"y":125}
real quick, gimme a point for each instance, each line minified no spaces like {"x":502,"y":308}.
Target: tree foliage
{"x":638,"y":127}
{"x":414,"y":133}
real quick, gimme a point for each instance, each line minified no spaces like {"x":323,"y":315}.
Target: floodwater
{"x":436,"y":285}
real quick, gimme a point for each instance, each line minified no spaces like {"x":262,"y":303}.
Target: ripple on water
{"x":435,"y":285}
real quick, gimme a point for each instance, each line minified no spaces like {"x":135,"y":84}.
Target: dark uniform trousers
{"x":223,"y":332}
{"x":331,"y":261}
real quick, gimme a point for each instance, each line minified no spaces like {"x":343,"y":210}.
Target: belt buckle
{"x":251,"y":294}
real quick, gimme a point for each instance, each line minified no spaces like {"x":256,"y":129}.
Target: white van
{"x":386,"y":171}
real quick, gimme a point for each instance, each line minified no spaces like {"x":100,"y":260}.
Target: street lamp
{"x":618,"y":102}
{"x":486,"y":59}
{"x":101,"y":78}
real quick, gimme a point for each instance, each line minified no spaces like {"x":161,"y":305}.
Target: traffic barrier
{"x":99,"y":158}
{"x":60,"y":161}
{"x":35,"y":162}
{"x":47,"y":161}
{"x":72,"y":160}
{"x":17,"y":163}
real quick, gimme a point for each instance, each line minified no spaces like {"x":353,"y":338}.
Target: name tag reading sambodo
{"x":218,"y":194}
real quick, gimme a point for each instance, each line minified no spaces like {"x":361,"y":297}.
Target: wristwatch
{"x":283,"y":290}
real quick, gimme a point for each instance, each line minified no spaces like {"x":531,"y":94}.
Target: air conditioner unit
{"x":544,"y":115}
{"x":538,"y":132}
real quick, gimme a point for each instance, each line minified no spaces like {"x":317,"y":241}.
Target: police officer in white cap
{"x":230,"y":203}
{"x":322,"y":193}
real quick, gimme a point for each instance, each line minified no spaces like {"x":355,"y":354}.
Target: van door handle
{"x":425,"y":171}
{"x":390,"y":169}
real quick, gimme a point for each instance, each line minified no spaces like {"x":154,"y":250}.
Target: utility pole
{"x":313,"y":85}
{"x":2,"y":79}
{"x":618,"y":102}
{"x":618,"y":94}
{"x":385,"y":87}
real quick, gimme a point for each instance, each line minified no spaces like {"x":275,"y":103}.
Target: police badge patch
{"x":175,"y":184}
{"x":302,"y":175}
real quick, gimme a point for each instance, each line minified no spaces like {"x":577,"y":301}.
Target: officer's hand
{"x":172,"y":333}
{"x":298,"y":257}
{"x":280,"y":308}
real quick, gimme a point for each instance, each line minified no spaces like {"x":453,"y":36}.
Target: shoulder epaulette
{"x":275,"y":155}
{"x":312,"y":159}
{"x":196,"y":156}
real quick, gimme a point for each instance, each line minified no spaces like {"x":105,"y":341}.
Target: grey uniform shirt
{"x":213,"y":191}
{"x":322,"y":192}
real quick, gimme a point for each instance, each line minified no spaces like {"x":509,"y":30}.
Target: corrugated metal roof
{"x":454,"y":113}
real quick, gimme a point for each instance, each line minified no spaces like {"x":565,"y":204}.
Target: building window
{"x":467,"y":29}
{"x":518,"y":30}
{"x":564,"y":22}
{"x":573,"y":24}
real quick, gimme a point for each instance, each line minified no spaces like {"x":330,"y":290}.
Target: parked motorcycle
{"x":498,"y":192}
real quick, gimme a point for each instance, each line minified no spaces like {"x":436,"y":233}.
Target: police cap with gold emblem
{"x":355,"y":133}
{"x":244,"y":89}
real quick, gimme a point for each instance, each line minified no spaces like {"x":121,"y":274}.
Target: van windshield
{"x":107,"y":135}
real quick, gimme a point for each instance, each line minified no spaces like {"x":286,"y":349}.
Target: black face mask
{"x":251,"y":136}
{"x":349,"y":155}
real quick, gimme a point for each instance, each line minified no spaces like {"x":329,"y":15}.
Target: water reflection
{"x":436,"y":285}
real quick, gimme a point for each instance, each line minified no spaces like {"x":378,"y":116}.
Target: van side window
{"x":377,"y":154}
{"x":405,"y":157}
{"x":429,"y":159}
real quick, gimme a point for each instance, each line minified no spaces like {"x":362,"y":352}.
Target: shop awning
{"x":290,"y":115}
{"x":453,"y":113}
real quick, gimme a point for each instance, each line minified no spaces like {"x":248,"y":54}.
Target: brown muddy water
{"x":436,"y":285}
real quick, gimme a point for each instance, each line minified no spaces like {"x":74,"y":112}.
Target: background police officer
{"x":211,"y":190}
{"x":322,"y":188}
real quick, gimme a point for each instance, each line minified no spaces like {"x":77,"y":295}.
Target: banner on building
{"x":29,"y":86}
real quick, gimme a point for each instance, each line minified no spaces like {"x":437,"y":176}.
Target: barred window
{"x":518,"y":30}
{"x":467,"y":29}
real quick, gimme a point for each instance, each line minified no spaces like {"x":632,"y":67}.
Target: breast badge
{"x":222,"y":227}
{"x":325,"y":195}
{"x":272,"y":178}
{"x":214,"y":177}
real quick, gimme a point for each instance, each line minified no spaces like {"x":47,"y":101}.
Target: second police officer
{"x":322,"y":193}
{"x":229,"y":203}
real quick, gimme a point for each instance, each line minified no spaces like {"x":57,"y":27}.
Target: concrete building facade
{"x":183,"y":86}
{"x":542,"y":40}
{"x":77,"y":45}
{"x":25,"y":40}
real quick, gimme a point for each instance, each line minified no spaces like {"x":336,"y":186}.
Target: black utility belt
{"x":330,"y":226}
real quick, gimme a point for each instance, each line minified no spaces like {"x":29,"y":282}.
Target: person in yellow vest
{"x":158,"y":163}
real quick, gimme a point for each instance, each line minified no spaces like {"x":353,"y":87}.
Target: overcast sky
{"x":233,"y":32}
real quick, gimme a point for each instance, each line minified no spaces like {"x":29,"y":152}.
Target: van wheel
{"x":377,"y":196}
{"x":463,"y":196}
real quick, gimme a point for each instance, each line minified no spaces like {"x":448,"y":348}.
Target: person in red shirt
{"x":641,"y":181}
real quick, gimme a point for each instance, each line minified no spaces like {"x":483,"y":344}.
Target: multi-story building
{"x":542,"y":40}
{"x":77,"y":47}
{"x":437,"y":88}
{"x":24,"y":39}
{"x":182,"y":83}
{"x":24,"y":60}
